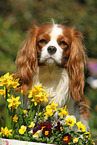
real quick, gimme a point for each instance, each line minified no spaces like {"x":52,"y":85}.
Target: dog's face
{"x":53,"y":44}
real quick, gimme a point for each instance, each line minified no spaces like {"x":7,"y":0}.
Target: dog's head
{"x":53,"y":44}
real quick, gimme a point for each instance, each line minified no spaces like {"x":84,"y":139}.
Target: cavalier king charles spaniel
{"x":54,"y":55}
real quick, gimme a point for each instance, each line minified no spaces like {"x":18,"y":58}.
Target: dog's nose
{"x":51,"y":50}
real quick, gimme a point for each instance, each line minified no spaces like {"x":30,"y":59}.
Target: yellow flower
{"x":14,"y":102}
{"x":38,"y":94}
{"x":5,"y":131}
{"x":8,"y":81}
{"x":15,"y":118}
{"x":22,"y":129}
{"x":2,"y":131}
{"x":81,"y":126}
{"x":93,"y":143}
{"x":36,"y":134}
{"x":8,"y":132}
{"x":70,"y":120}
{"x":2,"y":92}
{"x":53,"y":106}
{"x":49,"y":111}
{"x":63,"y":112}
{"x":88,"y":135}
{"x":25,"y":111}
{"x":75,"y":140}
{"x":32,"y":124}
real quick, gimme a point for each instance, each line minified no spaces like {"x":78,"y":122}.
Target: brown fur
{"x":75,"y":59}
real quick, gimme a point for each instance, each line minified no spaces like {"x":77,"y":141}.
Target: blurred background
{"x":17,"y":16}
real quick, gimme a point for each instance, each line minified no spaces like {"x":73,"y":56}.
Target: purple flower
{"x":47,"y":132}
{"x":45,"y":124}
{"x":36,"y":129}
{"x":28,"y":128}
{"x":59,"y":127}
{"x":66,"y":137}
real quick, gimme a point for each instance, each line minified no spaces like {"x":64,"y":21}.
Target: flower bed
{"x":35,"y":124}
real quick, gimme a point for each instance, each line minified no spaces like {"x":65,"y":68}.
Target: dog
{"x":54,"y":55}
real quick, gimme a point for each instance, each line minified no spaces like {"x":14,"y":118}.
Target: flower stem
{"x":37,"y":113}
{"x":8,"y":118}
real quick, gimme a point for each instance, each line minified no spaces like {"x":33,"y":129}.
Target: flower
{"x":59,"y":127}
{"x":8,"y":81}
{"x":25,"y":111}
{"x":47,"y":131}
{"x":36,"y":134}
{"x":32,"y":124}
{"x":22,"y":129}
{"x":70,"y":120}
{"x":5,"y":131}
{"x":2,"y":92}
{"x":75,"y":140}
{"x":49,"y":111}
{"x":15,"y":118}
{"x":36,"y":129}
{"x":38,"y":94}
{"x":81,"y":126}
{"x":66,"y":137}
{"x":87,"y":134}
{"x":53,"y":106}
{"x":63,"y":112}
{"x":93,"y":143}
{"x":2,"y":131}
{"x":45,"y":124}
{"x":14,"y":102}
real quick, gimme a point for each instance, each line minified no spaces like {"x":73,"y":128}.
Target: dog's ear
{"x":26,"y":60}
{"x":76,"y":64}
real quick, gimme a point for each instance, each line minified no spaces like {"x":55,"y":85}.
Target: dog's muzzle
{"x":51,"y":50}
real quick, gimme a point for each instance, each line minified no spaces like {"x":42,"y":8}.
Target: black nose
{"x":52,"y":50}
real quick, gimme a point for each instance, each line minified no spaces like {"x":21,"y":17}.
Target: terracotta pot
{"x":17,"y":142}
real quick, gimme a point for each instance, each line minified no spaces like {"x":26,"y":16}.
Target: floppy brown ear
{"x":26,"y":60}
{"x":76,"y":64}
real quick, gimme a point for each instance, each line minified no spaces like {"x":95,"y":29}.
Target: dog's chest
{"x":55,"y":81}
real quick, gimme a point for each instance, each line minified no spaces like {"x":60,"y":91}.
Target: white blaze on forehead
{"x":56,"y":57}
{"x":56,"y":31}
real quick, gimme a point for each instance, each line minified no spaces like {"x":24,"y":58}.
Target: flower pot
{"x":17,"y":142}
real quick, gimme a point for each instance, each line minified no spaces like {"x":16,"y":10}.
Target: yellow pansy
{"x":32,"y":124}
{"x":75,"y":140}
{"x":22,"y":129}
{"x":70,"y":120}
{"x":81,"y":126}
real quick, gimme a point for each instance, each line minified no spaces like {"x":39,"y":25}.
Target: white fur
{"x":45,"y":56}
{"x":54,"y":79}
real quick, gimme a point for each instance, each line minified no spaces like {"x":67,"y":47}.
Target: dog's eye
{"x":62,"y":43}
{"x":43,"y":41}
